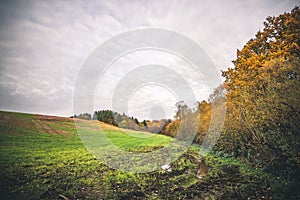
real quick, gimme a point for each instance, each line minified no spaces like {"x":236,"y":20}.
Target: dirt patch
{"x":52,"y":118}
{"x":44,"y":127}
{"x":16,"y":123}
{"x":54,"y":125}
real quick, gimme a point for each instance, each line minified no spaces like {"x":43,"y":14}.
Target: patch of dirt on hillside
{"x":15,"y":123}
{"x":54,"y":125}
{"x":52,"y":118}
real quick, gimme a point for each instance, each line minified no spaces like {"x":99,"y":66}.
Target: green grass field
{"x":43,"y":157}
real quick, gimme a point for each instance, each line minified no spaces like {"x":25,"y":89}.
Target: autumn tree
{"x":182,"y":110}
{"x":263,"y":94}
{"x":204,"y":118}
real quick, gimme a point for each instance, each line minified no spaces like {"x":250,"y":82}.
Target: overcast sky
{"x":43,"y":45}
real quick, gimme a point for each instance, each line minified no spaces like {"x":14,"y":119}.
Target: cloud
{"x":44,"y":43}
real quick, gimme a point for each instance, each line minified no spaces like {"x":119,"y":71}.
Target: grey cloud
{"x":44,"y":43}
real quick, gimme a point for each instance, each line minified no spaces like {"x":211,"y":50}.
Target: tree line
{"x":124,"y":121}
{"x":262,"y":99}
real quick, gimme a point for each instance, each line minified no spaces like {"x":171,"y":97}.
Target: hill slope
{"x":42,"y":157}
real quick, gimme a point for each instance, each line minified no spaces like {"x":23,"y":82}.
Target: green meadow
{"x":43,"y":157}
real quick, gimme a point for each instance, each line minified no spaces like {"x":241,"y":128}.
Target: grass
{"x":137,"y":141}
{"x":43,"y":157}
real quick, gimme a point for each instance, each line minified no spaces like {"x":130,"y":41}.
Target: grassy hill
{"x":42,"y":157}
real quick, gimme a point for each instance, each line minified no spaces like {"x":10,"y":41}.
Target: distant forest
{"x":124,"y":121}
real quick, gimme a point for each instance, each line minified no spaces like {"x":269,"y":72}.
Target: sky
{"x":44,"y":44}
